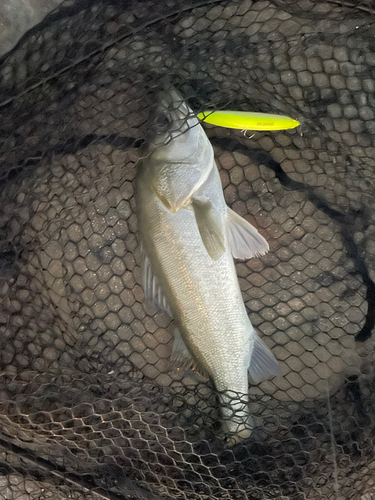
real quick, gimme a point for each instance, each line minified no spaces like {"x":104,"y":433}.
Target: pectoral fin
{"x":209,"y":228}
{"x":151,"y":286}
{"x":244,"y":241}
{"x":262,"y":362}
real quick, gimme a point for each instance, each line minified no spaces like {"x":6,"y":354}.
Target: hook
{"x":247,"y":136}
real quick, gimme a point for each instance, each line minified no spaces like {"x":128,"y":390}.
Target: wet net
{"x":89,"y":404}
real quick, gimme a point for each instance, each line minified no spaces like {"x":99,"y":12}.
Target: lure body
{"x":246,"y":120}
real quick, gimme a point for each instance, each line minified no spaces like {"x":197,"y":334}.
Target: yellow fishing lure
{"x":246,"y":120}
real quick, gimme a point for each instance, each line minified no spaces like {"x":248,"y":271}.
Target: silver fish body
{"x":189,"y":237}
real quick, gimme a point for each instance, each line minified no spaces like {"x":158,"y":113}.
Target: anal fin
{"x":262,"y":362}
{"x":181,"y":357}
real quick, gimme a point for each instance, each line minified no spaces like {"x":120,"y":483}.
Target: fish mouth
{"x":172,"y":104}
{"x":173,"y":115}
{"x":171,"y":119}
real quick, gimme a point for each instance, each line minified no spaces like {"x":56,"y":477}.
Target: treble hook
{"x":247,"y":136}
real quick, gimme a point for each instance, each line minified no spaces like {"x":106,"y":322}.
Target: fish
{"x":189,"y":238}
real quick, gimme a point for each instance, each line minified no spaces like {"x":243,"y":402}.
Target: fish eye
{"x":162,"y":121}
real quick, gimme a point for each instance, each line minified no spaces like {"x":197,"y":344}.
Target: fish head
{"x":172,"y":125}
{"x":180,"y":155}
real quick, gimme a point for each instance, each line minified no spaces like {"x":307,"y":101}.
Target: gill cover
{"x":180,"y":156}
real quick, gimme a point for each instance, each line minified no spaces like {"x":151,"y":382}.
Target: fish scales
{"x":190,"y":272}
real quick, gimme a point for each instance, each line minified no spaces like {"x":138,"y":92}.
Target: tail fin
{"x":237,"y":422}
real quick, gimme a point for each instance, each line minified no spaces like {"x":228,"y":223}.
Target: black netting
{"x":90,"y":406}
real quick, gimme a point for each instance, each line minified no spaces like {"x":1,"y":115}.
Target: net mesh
{"x":89,"y":404}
